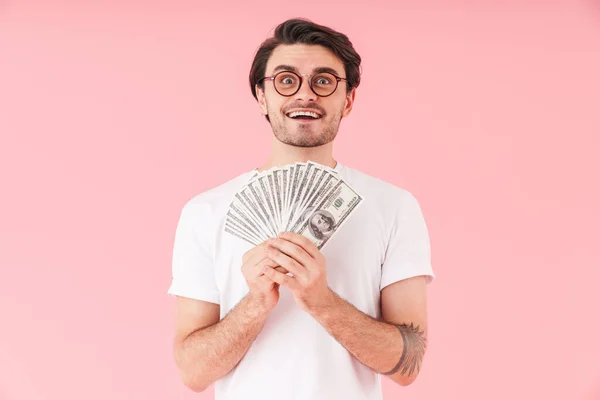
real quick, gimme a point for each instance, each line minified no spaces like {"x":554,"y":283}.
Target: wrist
{"x":322,"y":308}
{"x":258,"y":304}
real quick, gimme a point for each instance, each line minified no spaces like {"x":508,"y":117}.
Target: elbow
{"x":190,"y":377}
{"x":403,"y":380}
{"x":193,"y":384}
{"x":197,"y":389}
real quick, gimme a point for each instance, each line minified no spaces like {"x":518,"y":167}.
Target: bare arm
{"x":210,"y":352}
{"x":205,"y":348}
{"x":395,"y":346}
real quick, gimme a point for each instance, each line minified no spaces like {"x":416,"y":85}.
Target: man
{"x":284,"y":320}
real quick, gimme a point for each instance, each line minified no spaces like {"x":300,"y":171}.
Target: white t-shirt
{"x":383,"y":241}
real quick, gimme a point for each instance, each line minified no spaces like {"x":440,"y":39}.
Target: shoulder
{"x":379,"y":193}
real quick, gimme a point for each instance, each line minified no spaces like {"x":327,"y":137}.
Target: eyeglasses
{"x":287,"y":83}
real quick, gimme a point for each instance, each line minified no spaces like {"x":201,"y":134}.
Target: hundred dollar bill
{"x":317,"y":174}
{"x":284,"y":183}
{"x":291,"y":173}
{"x":258,"y":204}
{"x":296,"y":190}
{"x":236,"y":218}
{"x":316,"y":171}
{"x":277,"y":192}
{"x":241,"y":232}
{"x":278,"y":199}
{"x":324,"y":185}
{"x":270,"y":186}
{"x":234,"y":232}
{"x":265,"y":191}
{"x":242,"y":210}
{"x":330,"y":213}
{"x":248,"y":207}
{"x":303,"y":176}
{"x":259,"y":182}
{"x":259,"y":227}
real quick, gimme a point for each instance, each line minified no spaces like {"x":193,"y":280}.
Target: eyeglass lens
{"x":287,"y":83}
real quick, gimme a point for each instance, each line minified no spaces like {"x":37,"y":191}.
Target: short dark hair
{"x":304,"y":31}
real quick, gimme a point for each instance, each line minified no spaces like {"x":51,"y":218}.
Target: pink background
{"x":114,"y":114}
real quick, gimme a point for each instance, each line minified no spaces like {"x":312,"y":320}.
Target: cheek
{"x":274,"y":105}
{"x":275,"y":108}
{"x":337,"y":110}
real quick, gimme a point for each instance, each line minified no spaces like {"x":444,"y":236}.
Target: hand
{"x":263,"y":289}
{"x":303,"y":259}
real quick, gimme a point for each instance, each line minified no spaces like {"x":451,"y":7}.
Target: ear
{"x":349,"y":102}
{"x":262,"y":101}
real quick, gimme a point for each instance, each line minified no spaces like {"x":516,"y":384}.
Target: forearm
{"x":393,"y":350}
{"x":210,"y":353}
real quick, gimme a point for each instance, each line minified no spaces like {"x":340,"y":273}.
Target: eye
{"x":324,"y":80}
{"x":286,"y":79}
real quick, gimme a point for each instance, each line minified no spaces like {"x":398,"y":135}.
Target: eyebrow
{"x":317,"y":70}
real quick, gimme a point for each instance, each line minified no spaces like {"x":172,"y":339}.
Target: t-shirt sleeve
{"x":408,"y":251}
{"x":192,"y":263}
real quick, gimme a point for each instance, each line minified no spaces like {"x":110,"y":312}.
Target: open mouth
{"x":304,"y":116}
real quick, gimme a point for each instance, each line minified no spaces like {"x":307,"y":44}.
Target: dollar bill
{"x":254,"y":197}
{"x":274,"y":183}
{"x":238,"y":212}
{"x":292,"y":177}
{"x":236,"y":232}
{"x":285,"y":172}
{"x":299,"y":184}
{"x":245,"y":224}
{"x":302,"y":197}
{"x":315,"y":172}
{"x":330,"y":213}
{"x":251,"y":209}
{"x":325,"y":185}
{"x":265,"y":191}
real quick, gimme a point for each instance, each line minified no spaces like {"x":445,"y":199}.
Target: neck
{"x":283,"y":154}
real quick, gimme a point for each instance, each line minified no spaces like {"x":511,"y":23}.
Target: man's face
{"x":305,"y":132}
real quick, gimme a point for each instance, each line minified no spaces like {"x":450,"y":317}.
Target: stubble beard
{"x":301,"y":138}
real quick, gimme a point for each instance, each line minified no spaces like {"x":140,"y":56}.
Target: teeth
{"x":306,"y":113}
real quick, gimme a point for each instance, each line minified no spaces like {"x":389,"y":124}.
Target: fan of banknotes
{"x":307,"y":198}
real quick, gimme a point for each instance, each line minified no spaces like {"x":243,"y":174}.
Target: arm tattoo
{"x":414,"y":349}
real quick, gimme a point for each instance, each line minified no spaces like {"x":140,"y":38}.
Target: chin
{"x":299,"y":138}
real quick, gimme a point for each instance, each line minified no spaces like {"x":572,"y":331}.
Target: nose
{"x":305,"y":92}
